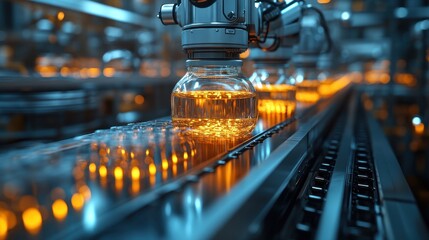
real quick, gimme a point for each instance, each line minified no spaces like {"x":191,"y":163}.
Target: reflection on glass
{"x":330,"y":85}
{"x":3,"y":224}
{"x":32,"y":219}
{"x":77,"y":201}
{"x":120,"y":163}
{"x":135,"y":173}
{"x":377,"y":72}
{"x":7,"y":221}
{"x":59,"y":209}
{"x":214,"y":100}
{"x":152,"y":169}
{"x":135,"y":187}
{"x":231,"y":112}
{"x":119,"y":173}
{"x":92,"y":168}
{"x":406,"y":79}
{"x":276,"y":93}
{"x":102,"y":171}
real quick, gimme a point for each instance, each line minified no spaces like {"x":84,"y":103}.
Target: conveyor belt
{"x":324,"y":174}
{"x":99,"y":169}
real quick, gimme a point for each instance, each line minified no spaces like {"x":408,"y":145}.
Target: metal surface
{"x":101,"y":10}
{"x":252,"y":199}
{"x":48,"y":109}
{"x":392,"y":184}
{"x":153,"y":180}
{"x":207,"y":173}
{"x":402,"y":217}
{"x":331,"y":216}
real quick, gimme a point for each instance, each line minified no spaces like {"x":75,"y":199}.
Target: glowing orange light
{"x":10,"y":219}
{"x":185,"y":155}
{"x":307,"y":97}
{"x":405,"y":79}
{"x":139,"y":99}
{"x":102,"y":171}
{"x":174,"y":158}
{"x":164,"y":165}
{"x":185,"y":165}
{"x":135,"y":173}
{"x":119,"y":173}
{"x":119,"y":184}
{"x":323,"y":1}
{"x":377,"y":76}
{"x":174,"y":170}
{"x":325,"y":89}
{"x":32,"y":220}
{"x":92,"y":167}
{"x":3,"y":225}
{"x":47,"y":71}
{"x":135,"y":187}
{"x":152,"y":169}
{"x":147,"y":152}
{"x":245,"y":54}
{"x":65,"y":71}
{"x":60,"y":16}
{"x":93,"y":72}
{"x":77,"y":201}
{"x":132,"y":155}
{"x":83,"y":72}
{"x":109,"y":72}
{"x":60,"y":209}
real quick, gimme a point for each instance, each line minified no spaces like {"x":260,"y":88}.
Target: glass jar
{"x":214,"y":99}
{"x":308,"y":81}
{"x":276,"y":92}
{"x":327,"y":84}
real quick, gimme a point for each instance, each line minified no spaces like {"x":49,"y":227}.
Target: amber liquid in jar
{"x":326,"y":88}
{"x":215,"y":113}
{"x":277,"y":98}
{"x":308,"y":91}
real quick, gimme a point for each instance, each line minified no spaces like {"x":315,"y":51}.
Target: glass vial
{"x":276,"y":92}
{"x":214,"y":99}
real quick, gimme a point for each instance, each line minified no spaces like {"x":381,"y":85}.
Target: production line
{"x":282,"y":120}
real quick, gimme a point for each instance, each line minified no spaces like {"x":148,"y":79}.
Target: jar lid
{"x":205,"y":63}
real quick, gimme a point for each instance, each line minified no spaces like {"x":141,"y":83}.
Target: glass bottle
{"x":214,"y":99}
{"x":276,"y":92}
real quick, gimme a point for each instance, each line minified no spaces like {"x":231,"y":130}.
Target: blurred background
{"x":70,"y":67}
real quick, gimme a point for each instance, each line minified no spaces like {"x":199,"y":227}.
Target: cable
{"x":324,"y":26}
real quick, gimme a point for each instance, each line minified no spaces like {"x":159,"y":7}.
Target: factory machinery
{"x":320,"y":167}
{"x":326,"y":173}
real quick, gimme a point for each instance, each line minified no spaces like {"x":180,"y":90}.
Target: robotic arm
{"x":222,"y":29}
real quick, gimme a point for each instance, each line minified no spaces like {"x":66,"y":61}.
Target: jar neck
{"x":215,"y":70}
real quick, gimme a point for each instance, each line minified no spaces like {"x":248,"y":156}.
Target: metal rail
{"x":101,"y":10}
{"x":251,"y":200}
